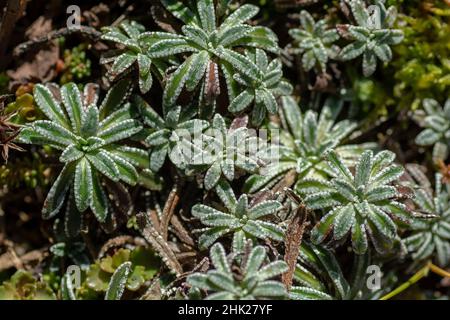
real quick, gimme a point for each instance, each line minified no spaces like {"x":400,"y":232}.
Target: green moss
{"x":421,"y":66}
{"x":29,"y":171}
{"x":77,"y":66}
{"x":23,"y":286}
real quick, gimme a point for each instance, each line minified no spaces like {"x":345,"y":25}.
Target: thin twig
{"x":8,"y":261}
{"x":294,"y":236}
{"x":15,"y":261}
{"x":169,"y":209}
{"x":287,"y":181}
{"x":89,"y":32}
{"x":115,"y":242}
{"x":181,"y":231}
{"x":161,"y":246}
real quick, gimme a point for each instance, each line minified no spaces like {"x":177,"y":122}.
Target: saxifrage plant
{"x":89,"y":138}
{"x":314,"y":42}
{"x":251,"y":283}
{"x":210,"y":40}
{"x":373,"y":35}
{"x":245,"y":220}
{"x":362,"y":203}
{"x":431,"y":237}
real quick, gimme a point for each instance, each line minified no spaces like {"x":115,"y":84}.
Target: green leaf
{"x":269,"y":101}
{"x":200,"y":211}
{"x":103,"y":162}
{"x":71,"y":153}
{"x":363,"y":169}
{"x":320,"y":200}
{"x":338,"y":166}
{"x":198,"y":280}
{"x":291,"y":115}
{"x":324,"y":226}
{"x":387,"y":175}
{"x":212,"y":176}
{"x":176,"y":83}
{"x":149,"y":115}
{"x":359,"y":238}
{"x":119,"y":131}
{"x":238,"y":241}
{"x":232,"y":86}
{"x":211,"y":235}
{"x":83,"y":185}
{"x":219,"y":258}
{"x":179,"y":10}
{"x":127,"y":172}
{"x":118,"y":280}
{"x":122,"y":62}
{"x":90,"y":122}
{"x":228,"y":36}
{"x":67,"y":290}
{"x":240,"y":62}
{"x":71,"y":98}
{"x":258,"y":113}
{"x":369,"y":63}
{"x":145,"y":76}
{"x":270,"y":289}
{"x":205,"y":9}
{"x":49,"y":105}
{"x":344,"y":221}
{"x":263,"y":209}
{"x":196,"y":35}
{"x":99,"y":201}
{"x":359,"y":12}
{"x":115,"y":97}
{"x":30,"y":136}
{"x":260,"y":37}
{"x":170,"y":47}
{"x":115,"y":35}
{"x":226,"y":194}
{"x":383,"y":52}
{"x":271,"y":270}
{"x":72,"y":219}
{"x":352,"y":51}
{"x":359,"y":33}
{"x":57,"y":194}
{"x":158,"y":156}
{"x":240,"y":15}
{"x":304,"y":293}
{"x":307,"y":21}
{"x":428,"y":137}
{"x":331,"y":265}
{"x":307,"y":278}
{"x":359,"y":273}
{"x":54,"y":132}
{"x":197,"y":71}
{"x":135,"y":156}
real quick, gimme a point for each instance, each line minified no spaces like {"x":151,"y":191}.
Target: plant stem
{"x":416,"y":277}
{"x":423,"y":272}
{"x":439,"y":271}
